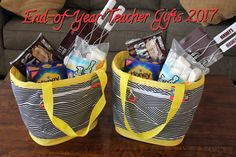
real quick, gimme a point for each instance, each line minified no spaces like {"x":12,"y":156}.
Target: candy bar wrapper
{"x":146,"y":70}
{"x":180,"y":67}
{"x":78,"y":66}
{"x":38,"y":52}
{"x":85,"y":29}
{"x":151,"y":47}
{"x":201,"y":47}
{"x":46,"y":72}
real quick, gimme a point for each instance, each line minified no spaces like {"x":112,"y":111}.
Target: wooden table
{"x":213,"y":131}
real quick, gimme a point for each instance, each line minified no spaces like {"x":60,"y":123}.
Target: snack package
{"x":46,"y":72}
{"x":98,"y":52}
{"x":85,"y":29}
{"x":180,"y":67}
{"x":38,"y":52}
{"x":93,"y":33}
{"x":146,"y":70}
{"x":85,"y":58}
{"x":78,"y":66}
{"x":81,"y":48}
{"x":150,"y":47}
{"x":201,"y":47}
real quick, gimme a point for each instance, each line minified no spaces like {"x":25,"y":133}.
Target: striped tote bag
{"x":150,"y":111}
{"x":55,"y":112}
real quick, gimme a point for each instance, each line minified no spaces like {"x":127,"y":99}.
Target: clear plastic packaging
{"x":201,"y":47}
{"x":180,"y":67}
{"x":85,"y":58}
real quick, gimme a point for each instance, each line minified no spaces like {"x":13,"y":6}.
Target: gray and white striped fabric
{"x":73,"y":104}
{"x":151,"y":108}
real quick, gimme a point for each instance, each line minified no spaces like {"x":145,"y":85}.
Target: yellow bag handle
{"x":178,"y":97}
{"x":47,"y":89}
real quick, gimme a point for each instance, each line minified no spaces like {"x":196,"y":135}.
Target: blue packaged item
{"x":143,"y":69}
{"x":77,"y":66}
{"x":46,"y":72}
{"x":168,"y":76}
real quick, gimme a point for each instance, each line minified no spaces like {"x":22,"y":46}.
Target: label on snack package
{"x":46,"y":72}
{"x":79,"y":66}
{"x":167,"y":76}
{"x":146,"y":70}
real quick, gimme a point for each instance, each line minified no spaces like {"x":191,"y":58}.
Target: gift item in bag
{"x":98,"y":52}
{"x":67,"y":43}
{"x":93,"y":33}
{"x":85,"y":58}
{"x":81,"y":48}
{"x":146,"y":70}
{"x":77,"y":66}
{"x":151,"y":48}
{"x":201,"y":47}
{"x":180,"y":67}
{"x":207,"y":50}
{"x":38,"y":52}
{"x":46,"y":72}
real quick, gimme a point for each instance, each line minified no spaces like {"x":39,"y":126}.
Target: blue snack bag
{"x":46,"y":72}
{"x":146,"y":70}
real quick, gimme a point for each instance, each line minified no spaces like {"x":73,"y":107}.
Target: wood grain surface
{"x":212,"y":133}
